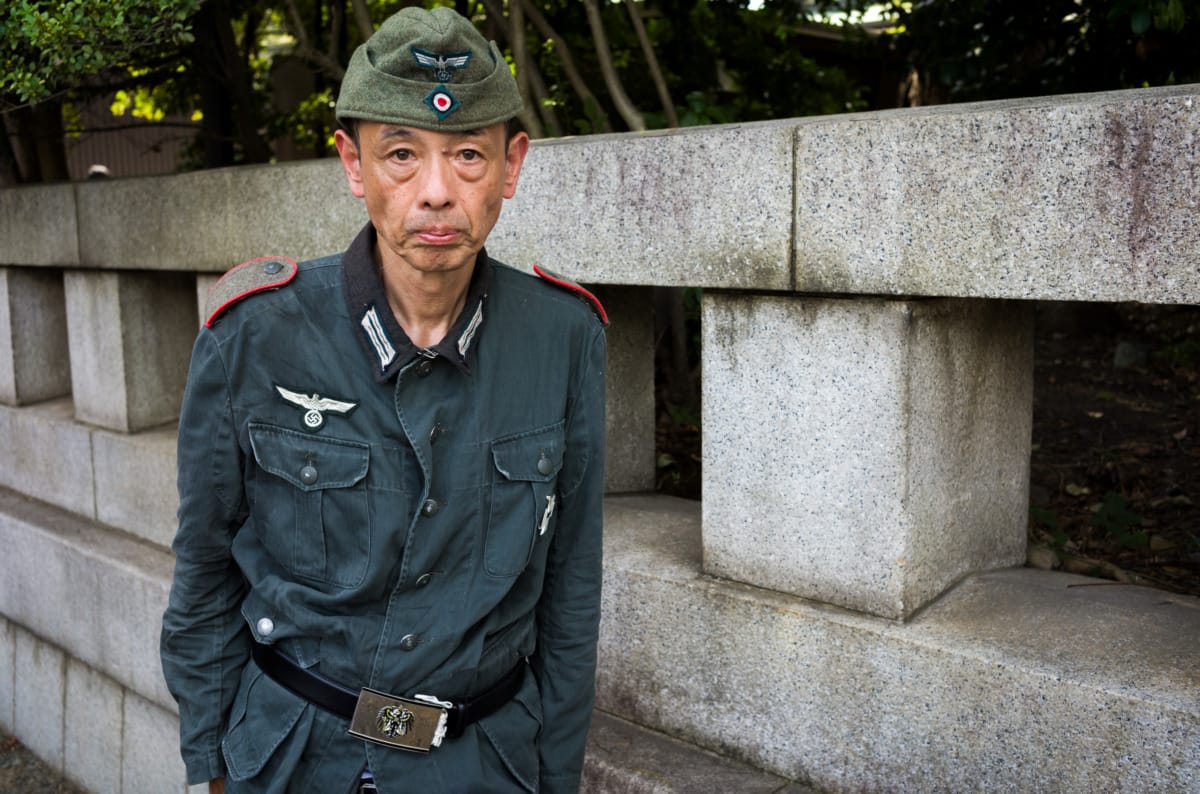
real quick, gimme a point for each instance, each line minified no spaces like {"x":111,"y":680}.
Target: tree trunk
{"x":631,"y":115}
{"x":35,"y":142}
{"x":660,"y":82}
{"x":586,"y":97}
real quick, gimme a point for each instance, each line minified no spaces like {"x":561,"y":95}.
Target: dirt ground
{"x":1115,"y":467}
{"x":22,"y":773}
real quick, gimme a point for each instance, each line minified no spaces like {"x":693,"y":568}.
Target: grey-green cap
{"x":429,"y":69}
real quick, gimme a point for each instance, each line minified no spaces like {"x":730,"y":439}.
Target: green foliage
{"x":1048,"y":520}
{"x":1120,"y":523}
{"x":48,"y":47}
{"x":991,"y":49}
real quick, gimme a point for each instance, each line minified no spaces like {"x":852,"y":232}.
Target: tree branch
{"x":306,"y":51}
{"x":362,"y":18}
{"x":629,"y":112}
{"x":660,"y":82}
{"x":567,"y":62}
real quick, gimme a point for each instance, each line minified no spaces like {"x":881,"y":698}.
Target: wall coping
{"x":1088,"y":197}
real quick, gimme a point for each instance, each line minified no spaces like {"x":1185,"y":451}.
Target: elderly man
{"x":391,"y":470}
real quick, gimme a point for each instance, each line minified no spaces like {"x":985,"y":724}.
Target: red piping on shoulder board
{"x":287,"y":273}
{"x":578,"y":290}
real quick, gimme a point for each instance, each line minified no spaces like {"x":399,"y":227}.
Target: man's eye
{"x":401,"y":154}
{"x":469,"y":154}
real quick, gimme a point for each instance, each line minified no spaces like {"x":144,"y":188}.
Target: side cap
{"x":241,"y":281}
{"x":579,"y":291}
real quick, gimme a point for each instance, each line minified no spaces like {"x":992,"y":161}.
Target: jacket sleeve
{"x":568,"y":613}
{"x":205,"y":643}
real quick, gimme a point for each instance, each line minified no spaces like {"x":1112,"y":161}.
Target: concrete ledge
{"x":95,"y":593}
{"x":1017,"y":680}
{"x":1087,"y":197}
{"x":37,"y":226}
{"x":628,"y":759}
{"x":125,"y":480}
{"x":86,"y":726}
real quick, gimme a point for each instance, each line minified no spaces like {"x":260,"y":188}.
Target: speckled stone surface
{"x":135,"y":482}
{"x":1017,"y":680}
{"x":96,"y":594}
{"x":37,"y":226}
{"x":54,"y":453}
{"x":629,"y":397}
{"x":212,"y":220}
{"x":698,"y":207}
{"x":1090,"y":197}
{"x":33,"y":336}
{"x":131,"y":338}
{"x":864,"y":453}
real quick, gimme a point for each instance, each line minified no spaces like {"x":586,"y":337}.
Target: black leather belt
{"x":417,"y":723}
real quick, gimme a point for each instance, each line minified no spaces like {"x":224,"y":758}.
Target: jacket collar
{"x":386,"y":345}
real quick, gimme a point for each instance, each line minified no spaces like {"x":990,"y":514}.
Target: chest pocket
{"x":524,"y":501}
{"x":312,"y":506}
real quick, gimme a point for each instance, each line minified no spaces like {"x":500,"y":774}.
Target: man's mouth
{"x":438,"y":235}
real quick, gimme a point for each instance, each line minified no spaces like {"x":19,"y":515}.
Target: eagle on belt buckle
{"x":398,"y":722}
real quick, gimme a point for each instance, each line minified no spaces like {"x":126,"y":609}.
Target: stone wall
{"x":843,"y":608}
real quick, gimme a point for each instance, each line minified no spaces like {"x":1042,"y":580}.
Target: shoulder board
{"x":579,"y":291}
{"x":240,"y":281}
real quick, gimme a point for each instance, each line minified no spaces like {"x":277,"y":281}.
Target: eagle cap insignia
{"x":315,"y":405}
{"x":442,"y":64}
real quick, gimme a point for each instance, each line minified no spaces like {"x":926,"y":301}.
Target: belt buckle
{"x":398,"y":722}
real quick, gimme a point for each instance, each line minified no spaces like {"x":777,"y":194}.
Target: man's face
{"x":433,"y":197}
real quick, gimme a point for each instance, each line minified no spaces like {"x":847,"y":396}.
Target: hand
{"x":216,"y":786}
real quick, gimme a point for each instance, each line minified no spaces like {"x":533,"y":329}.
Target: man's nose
{"x":437,"y":184}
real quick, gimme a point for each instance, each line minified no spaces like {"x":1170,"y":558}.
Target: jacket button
{"x":265,"y":626}
{"x":436,"y":432}
{"x":430,"y":507}
{"x":424,"y":579}
{"x":543,"y":464}
{"x":409,"y":642}
{"x":308,"y":475}
{"x":272,"y":267}
{"x":424,"y":368}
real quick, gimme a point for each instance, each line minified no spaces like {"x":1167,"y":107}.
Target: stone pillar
{"x":629,"y":421}
{"x":131,"y":337}
{"x":861,"y":452}
{"x":34,"y":365}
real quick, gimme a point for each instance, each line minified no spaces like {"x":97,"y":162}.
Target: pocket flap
{"x":535,"y":456}
{"x":306,"y":461}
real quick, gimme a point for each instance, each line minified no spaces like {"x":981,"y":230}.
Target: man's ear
{"x":518,"y":147}
{"x":351,"y":163}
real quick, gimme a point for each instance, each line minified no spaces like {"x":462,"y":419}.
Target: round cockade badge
{"x":442,"y":102}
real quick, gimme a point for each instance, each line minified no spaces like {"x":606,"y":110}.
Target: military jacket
{"x":413,"y":521}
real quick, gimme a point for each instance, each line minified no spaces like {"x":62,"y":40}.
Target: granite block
{"x":131,"y":335}
{"x":37,"y":226}
{"x":92,"y":730}
{"x":41,"y":670}
{"x":864,"y":453}
{"x":1015,"y":680}
{"x":204,"y":283}
{"x":1089,"y":198}
{"x":209,"y":221}
{"x":96,"y":593}
{"x":54,"y":453}
{"x":135,"y":482}
{"x":629,"y":417}
{"x":150,"y":761}
{"x":706,"y":207}
{"x":34,"y":362}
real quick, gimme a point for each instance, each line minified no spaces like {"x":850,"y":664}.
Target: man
{"x":391,"y":470}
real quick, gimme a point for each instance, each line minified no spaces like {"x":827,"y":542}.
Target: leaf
{"x":1140,"y":22}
